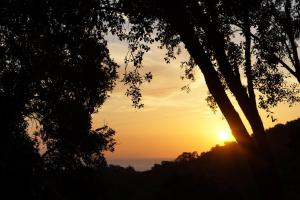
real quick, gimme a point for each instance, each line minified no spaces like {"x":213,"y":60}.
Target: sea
{"x":139,"y":164}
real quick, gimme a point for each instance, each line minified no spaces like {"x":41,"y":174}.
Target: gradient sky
{"x":172,"y":121}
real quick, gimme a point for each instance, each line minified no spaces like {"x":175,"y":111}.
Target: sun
{"x":224,"y":135}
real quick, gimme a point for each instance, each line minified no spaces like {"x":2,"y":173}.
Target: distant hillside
{"x":221,"y":173}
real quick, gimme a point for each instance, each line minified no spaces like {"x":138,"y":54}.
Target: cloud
{"x":164,"y":91}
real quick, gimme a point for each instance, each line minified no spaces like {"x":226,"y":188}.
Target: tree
{"x":278,"y":34}
{"x":187,"y":157}
{"x":206,"y":29}
{"x":55,"y":68}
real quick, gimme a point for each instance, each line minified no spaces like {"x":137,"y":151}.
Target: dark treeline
{"x":222,"y":172}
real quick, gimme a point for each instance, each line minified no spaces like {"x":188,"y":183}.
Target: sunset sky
{"x":172,"y":121}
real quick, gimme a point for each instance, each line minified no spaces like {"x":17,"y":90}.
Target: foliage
{"x":56,"y":69}
{"x":187,"y":156}
{"x":150,"y":21}
{"x":240,"y":66}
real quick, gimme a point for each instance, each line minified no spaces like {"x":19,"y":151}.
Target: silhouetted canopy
{"x":56,"y":69}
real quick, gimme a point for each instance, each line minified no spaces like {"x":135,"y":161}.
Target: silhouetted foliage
{"x":186,"y":157}
{"x":55,"y":69}
{"x":222,"y":39}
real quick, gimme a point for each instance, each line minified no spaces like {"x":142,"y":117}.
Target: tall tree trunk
{"x":257,"y":152}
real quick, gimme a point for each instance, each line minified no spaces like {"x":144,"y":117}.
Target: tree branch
{"x":190,"y":39}
{"x":248,"y":65}
{"x":289,"y":31}
{"x":277,"y":58}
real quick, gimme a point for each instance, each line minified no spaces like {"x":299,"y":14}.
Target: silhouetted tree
{"x":277,"y":34}
{"x":207,"y":29}
{"x":187,"y":156}
{"x":55,"y":68}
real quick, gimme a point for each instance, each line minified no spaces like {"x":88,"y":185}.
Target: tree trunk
{"x":258,"y":154}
